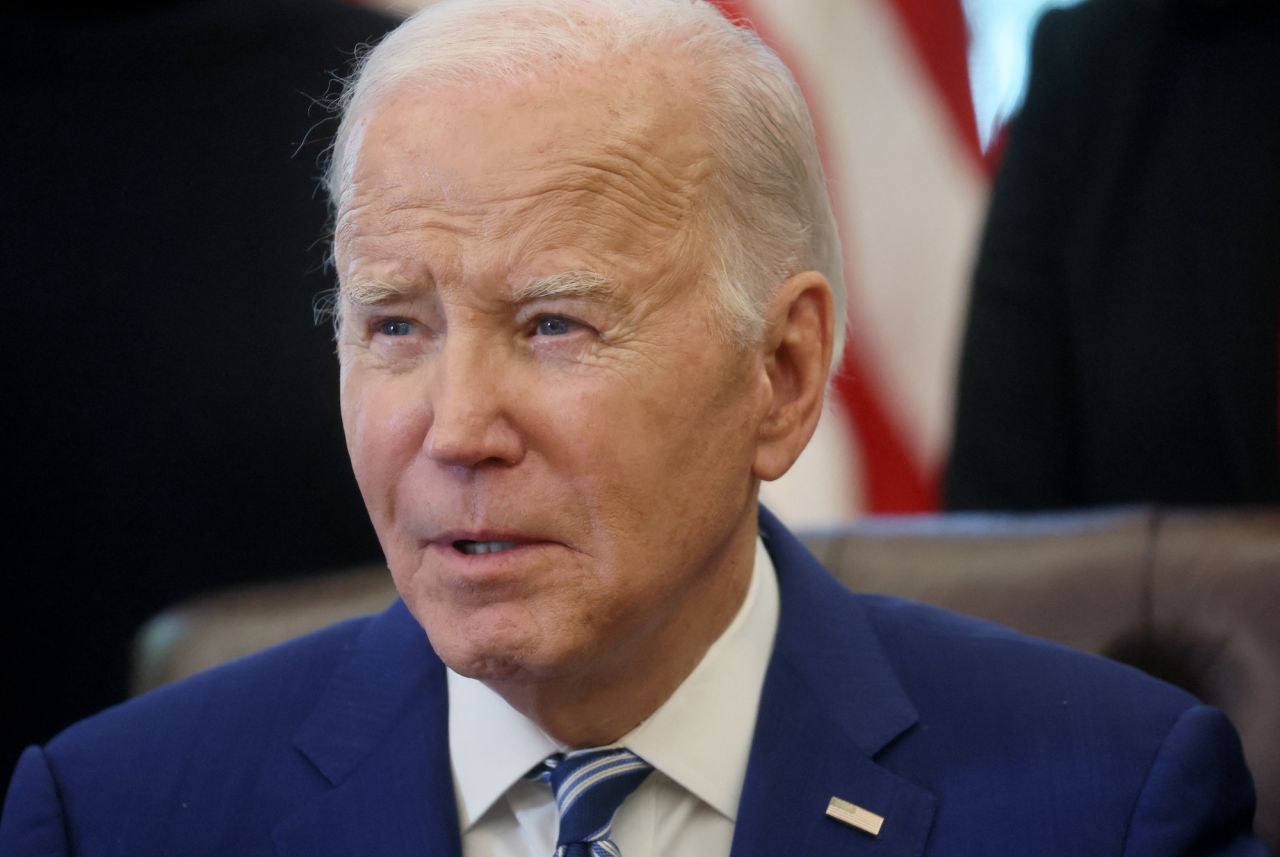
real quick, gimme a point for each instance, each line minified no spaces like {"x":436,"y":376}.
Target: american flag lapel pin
{"x":855,"y":816}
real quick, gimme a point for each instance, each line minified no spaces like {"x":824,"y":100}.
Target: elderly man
{"x":589,"y":299}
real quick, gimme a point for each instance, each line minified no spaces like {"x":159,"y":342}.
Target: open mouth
{"x":471,"y":548}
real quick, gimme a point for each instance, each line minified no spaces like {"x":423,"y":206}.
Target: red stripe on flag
{"x":737,"y":12}
{"x":940,"y":36}
{"x":894,"y":481}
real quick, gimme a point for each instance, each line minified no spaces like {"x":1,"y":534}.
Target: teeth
{"x":473,"y":548}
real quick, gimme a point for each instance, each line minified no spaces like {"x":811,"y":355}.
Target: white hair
{"x":768,"y":215}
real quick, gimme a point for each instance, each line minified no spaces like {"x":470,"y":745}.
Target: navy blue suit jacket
{"x":968,"y":738}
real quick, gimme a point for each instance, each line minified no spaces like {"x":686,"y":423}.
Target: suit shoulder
{"x":265,"y":688}
{"x":932,"y":648}
{"x":1011,"y":728}
{"x":213,"y":764}
{"x":175,"y":764}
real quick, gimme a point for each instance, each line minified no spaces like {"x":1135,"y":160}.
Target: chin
{"x":491,"y":668}
{"x":504,"y":660}
{"x":500,"y":642}
{"x":483,"y":653}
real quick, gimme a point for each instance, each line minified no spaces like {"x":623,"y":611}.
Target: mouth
{"x":476,"y":548}
{"x":481,"y":543}
{"x":484,"y":566}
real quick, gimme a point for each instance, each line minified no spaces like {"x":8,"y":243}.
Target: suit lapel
{"x":830,"y":704}
{"x":380,"y":737}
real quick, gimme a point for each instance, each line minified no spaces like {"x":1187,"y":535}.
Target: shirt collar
{"x":700,"y":737}
{"x":491,"y":746}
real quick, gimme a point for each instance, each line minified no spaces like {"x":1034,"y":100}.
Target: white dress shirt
{"x":698,"y":742}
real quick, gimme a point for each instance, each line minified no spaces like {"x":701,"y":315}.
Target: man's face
{"x":554,"y":441}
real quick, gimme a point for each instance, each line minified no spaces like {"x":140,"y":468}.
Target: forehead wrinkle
{"x":628,"y":178}
{"x":640,"y":161}
{"x":395,"y":218}
{"x":605,"y":211}
{"x":638,"y":188}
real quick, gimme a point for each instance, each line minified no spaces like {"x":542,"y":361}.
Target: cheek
{"x":655,"y":461}
{"x":383,"y":436}
{"x":685,"y":423}
{"x":691,"y":451}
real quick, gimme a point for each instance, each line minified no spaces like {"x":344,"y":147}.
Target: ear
{"x":799,"y":338}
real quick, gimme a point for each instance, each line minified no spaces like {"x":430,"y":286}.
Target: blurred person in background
{"x":1122,"y":337}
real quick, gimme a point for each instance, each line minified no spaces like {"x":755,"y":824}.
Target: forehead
{"x":600,"y":159}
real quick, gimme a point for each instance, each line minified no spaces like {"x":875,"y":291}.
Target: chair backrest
{"x":1192,"y":597}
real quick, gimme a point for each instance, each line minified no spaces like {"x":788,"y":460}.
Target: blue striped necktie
{"x":589,"y":786}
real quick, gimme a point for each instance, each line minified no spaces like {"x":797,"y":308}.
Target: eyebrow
{"x":566,"y":284}
{"x":367,"y":292}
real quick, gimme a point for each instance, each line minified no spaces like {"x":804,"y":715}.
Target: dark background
{"x":171,"y":409}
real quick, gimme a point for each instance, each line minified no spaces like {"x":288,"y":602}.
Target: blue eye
{"x":553,"y":325}
{"x":395,"y":327}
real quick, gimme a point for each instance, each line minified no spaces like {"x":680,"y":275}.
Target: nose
{"x":471,"y":425}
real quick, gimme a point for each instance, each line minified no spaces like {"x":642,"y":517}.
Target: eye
{"x":553,"y":325}
{"x":394,"y":327}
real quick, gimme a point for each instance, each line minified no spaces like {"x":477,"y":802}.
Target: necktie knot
{"x":589,"y":786}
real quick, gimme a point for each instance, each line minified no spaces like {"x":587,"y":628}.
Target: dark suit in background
{"x":1121,"y":342}
{"x":169,"y":405}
